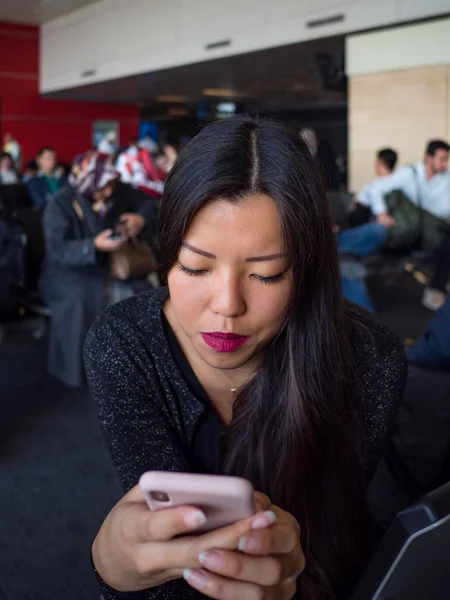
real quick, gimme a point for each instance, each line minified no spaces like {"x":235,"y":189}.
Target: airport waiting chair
{"x":13,"y":198}
{"x":411,"y":562}
{"x":29,"y":221}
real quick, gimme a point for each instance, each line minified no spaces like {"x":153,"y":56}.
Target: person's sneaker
{"x":433,"y":299}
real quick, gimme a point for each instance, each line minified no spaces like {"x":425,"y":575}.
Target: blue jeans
{"x":362,"y":240}
{"x":433,"y":347}
{"x":355,"y":290}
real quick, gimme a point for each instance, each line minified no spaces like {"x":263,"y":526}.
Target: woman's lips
{"x":224,"y":342}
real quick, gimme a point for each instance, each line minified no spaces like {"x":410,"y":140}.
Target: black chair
{"x":412,"y":561}
{"x":13,"y":198}
{"x":30,"y":223}
{"x":29,"y":220}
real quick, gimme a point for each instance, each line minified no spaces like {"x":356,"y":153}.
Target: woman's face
{"x":232,"y":277}
{"x":5,"y":163}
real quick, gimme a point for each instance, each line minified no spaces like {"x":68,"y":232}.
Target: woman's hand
{"x":135,"y":549}
{"x":103,"y":243}
{"x":132,"y":224}
{"x":266,"y":567}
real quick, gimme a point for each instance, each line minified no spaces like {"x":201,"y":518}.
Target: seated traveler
{"x":78,"y":223}
{"x":369,"y":237}
{"x":249,"y":363}
{"x":8,"y":175}
{"x":385,"y":163}
{"x":47,"y":181}
{"x":432,"y":349}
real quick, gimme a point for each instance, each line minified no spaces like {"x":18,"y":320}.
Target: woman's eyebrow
{"x":198,"y":251}
{"x":268,"y":257}
{"x":250,"y":259}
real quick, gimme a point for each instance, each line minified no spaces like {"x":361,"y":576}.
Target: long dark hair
{"x":295,"y":433}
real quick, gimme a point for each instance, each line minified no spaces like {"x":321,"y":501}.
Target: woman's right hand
{"x":135,"y":550}
{"x":103,"y":243}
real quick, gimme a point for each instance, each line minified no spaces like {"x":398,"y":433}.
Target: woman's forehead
{"x":248,"y":225}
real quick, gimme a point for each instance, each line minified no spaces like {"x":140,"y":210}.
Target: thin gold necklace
{"x":234,"y":390}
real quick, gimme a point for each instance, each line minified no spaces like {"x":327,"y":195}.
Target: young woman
{"x":249,"y":364}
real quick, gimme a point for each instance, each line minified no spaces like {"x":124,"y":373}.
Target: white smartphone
{"x":224,"y":500}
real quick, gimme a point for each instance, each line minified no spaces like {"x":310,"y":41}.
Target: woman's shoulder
{"x":380,"y":378}
{"x":375,"y":346}
{"x":132,"y":318}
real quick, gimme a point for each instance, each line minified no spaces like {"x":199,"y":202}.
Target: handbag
{"x":413,"y":222}
{"x":134,"y":261}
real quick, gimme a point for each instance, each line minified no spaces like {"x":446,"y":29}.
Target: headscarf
{"x":91,"y":172}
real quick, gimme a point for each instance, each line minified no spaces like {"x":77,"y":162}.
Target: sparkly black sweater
{"x":154,"y":417}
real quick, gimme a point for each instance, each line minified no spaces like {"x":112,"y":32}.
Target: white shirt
{"x":8,"y":177}
{"x":433,"y":194}
{"x":365,"y":195}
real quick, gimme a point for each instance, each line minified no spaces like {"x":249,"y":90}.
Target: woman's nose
{"x":227,"y":298}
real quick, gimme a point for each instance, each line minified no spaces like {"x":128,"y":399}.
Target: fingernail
{"x":211,"y":560}
{"x":195,"y":578}
{"x":195,"y":519}
{"x":249,"y":544}
{"x":264,"y":520}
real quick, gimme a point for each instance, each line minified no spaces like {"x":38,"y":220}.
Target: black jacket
{"x":148,"y":413}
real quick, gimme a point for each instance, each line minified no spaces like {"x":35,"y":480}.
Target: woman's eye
{"x":191,"y":272}
{"x":272,"y":279}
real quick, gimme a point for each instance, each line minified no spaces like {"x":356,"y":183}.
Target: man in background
{"x":385,"y":163}
{"x":46,"y":182}
{"x":322,"y":151}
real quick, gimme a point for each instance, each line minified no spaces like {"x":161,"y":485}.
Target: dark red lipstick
{"x":224,"y":342}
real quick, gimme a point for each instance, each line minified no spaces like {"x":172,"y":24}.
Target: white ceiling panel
{"x":35,"y":12}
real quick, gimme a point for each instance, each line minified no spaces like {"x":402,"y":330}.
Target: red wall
{"x":35,"y":121}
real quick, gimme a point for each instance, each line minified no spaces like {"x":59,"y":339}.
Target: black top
{"x":155,"y":415}
{"x":205,"y":446}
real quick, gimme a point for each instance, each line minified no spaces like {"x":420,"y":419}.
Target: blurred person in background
{"x":362,"y":238}
{"x":108,"y":144}
{"x":321,"y":149}
{"x":47,"y":181}
{"x":167,"y":158}
{"x":136,"y":167}
{"x":366,"y":238}
{"x":31,"y":170}
{"x":79,"y":222}
{"x":148,"y":144}
{"x":12,"y":147}
{"x":296,"y":391}
{"x":432,"y":349}
{"x":436,"y":292}
{"x":385,"y":163}
{"x":8,"y":175}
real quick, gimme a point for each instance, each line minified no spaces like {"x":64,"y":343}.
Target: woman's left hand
{"x":266,"y":567}
{"x":132,"y":223}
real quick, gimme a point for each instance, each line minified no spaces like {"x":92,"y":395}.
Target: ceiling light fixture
{"x":178,"y":111}
{"x":222,"y":92}
{"x":171,"y":98}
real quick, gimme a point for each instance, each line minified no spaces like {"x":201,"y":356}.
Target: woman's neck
{"x":221,"y":386}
